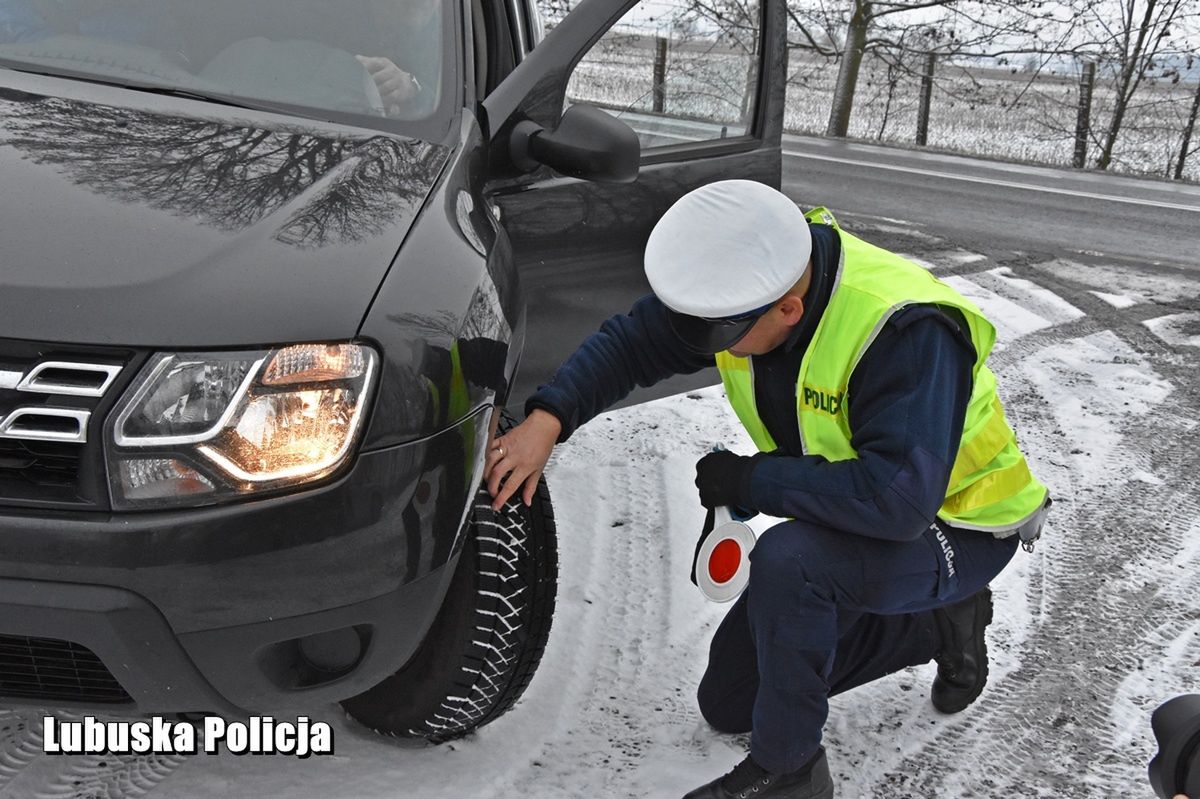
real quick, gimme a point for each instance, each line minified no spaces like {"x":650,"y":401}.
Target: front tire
{"x":489,"y":636}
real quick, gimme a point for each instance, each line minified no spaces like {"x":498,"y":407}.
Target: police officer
{"x":862,"y":381}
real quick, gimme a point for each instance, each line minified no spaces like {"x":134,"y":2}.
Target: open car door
{"x":701,"y":85}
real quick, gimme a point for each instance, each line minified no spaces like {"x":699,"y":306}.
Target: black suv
{"x":263,"y":276}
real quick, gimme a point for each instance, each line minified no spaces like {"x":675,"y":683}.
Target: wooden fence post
{"x":660,"y":74}
{"x":926,"y":98}
{"x":1083,"y":122}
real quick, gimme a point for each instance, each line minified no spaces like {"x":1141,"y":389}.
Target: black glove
{"x":719,"y":476}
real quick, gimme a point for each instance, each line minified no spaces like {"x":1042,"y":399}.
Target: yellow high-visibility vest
{"x":991,"y":487}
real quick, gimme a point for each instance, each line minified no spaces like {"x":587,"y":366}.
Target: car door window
{"x":676,"y":71}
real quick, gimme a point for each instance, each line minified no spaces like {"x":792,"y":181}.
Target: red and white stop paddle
{"x":722,"y":566}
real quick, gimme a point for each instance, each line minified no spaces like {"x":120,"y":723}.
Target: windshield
{"x":380,"y":58}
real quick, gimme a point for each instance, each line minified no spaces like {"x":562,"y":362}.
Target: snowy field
{"x":996,"y":114}
{"x":987,"y":112}
{"x":1098,"y":368}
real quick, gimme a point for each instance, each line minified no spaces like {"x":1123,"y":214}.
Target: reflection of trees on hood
{"x":327,"y":190}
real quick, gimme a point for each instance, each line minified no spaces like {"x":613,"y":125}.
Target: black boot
{"x":748,"y":779}
{"x":962,"y":652}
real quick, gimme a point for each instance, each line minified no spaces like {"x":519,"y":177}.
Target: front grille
{"x":52,"y":403}
{"x":55,"y":671}
{"x":43,"y":470}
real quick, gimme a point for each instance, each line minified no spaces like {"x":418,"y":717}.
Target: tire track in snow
{"x":652,"y":628}
{"x":613,"y":706}
{"x":109,"y":776}
{"x":26,"y":772}
{"x":571,"y":656}
{"x":635,"y":673}
{"x":20,"y":744}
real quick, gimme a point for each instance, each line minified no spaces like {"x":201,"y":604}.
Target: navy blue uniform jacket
{"x":907,"y":402}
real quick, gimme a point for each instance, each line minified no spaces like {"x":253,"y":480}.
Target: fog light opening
{"x":332,"y":653}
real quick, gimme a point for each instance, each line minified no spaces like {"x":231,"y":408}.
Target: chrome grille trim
{"x":9,"y":379}
{"x":46,"y":434}
{"x":33,"y":381}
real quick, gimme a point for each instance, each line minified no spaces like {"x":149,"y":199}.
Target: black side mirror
{"x":587,"y":144}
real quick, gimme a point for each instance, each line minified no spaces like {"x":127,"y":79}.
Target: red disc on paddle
{"x":724,"y":561}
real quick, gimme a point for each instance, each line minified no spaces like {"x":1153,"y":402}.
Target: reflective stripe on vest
{"x":991,"y":487}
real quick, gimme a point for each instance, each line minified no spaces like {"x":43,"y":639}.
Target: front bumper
{"x":202,"y":610}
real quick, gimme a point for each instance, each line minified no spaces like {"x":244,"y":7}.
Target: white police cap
{"x":727,"y":248}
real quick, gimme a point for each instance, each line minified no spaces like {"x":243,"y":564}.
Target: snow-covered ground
{"x":1098,"y":369}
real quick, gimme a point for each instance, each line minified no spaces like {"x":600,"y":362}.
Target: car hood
{"x":136,"y":219}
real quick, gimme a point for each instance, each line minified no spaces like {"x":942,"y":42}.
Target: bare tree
{"x":1139,"y":48}
{"x":553,"y":11}
{"x":896,"y":30}
{"x":1131,"y":45}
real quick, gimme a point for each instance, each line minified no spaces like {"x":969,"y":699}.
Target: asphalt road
{"x":988,"y":206}
{"x":903,"y":199}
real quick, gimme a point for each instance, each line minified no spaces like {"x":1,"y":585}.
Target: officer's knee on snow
{"x":783,"y":556}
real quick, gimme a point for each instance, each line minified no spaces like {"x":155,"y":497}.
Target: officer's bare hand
{"x":396,"y":86}
{"x":519,"y":457}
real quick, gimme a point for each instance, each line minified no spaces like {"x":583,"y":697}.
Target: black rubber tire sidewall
{"x":489,"y":635}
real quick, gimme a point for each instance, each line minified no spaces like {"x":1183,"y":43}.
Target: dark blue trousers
{"x":826,"y":611}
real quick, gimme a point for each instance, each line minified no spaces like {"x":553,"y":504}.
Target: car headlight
{"x":197,"y":428}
